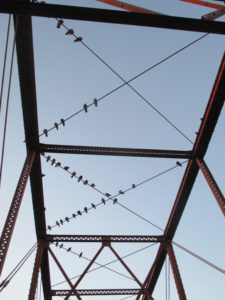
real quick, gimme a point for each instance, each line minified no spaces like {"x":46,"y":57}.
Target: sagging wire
{"x":107,"y":196}
{"x":107,"y":264}
{"x":8,"y":278}
{"x":86,"y":106}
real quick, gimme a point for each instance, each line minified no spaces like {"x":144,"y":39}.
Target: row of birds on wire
{"x":80,"y":178}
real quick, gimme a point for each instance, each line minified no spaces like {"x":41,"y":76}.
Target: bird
{"x":178,"y":164}
{"x":85,"y":108}
{"x":115,"y":201}
{"x":57,"y":223}
{"x":53,"y":161}
{"x":60,"y":22}
{"x":103,"y":201}
{"x":61,"y":246}
{"x":43,"y":175}
{"x":133,"y":186}
{"x":108,"y":195}
{"x":95,"y":102}
{"x":93,"y":205}
{"x":58,"y":164}
{"x":45,"y":131}
{"x":49,"y":227}
{"x":80,"y":255}
{"x":56,"y":125}
{"x":92,"y":185}
{"x":79,"y":213}
{"x":73,"y":174}
{"x":48,"y":158}
{"x":85,"y":182}
{"x":86,"y":209}
{"x":56,"y":244}
{"x":121,"y":192}
{"x":67,"y":219}
{"x":69,"y":32}
{"x":69,"y":249}
{"x":78,"y":39}
{"x":74,"y":216}
{"x":61,"y":221}
{"x":80,"y":178}
{"x":66,"y":168}
{"x":62,"y":121}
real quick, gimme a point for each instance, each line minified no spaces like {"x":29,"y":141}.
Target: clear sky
{"x":69,"y":75}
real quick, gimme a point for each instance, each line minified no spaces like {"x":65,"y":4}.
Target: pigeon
{"x":93,"y":205}
{"x":60,"y":22}
{"x":45,"y":131}
{"x":178,"y":164}
{"x":57,"y":223}
{"x":73,"y":174}
{"x":103,"y":201}
{"x":56,"y":125}
{"x":66,"y":168}
{"x":61,"y":221}
{"x":95,"y":102}
{"x":85,"y":108}
{"x":79,"y":213}
{"x":67,"y":219}
{"x":49,"y":227}
{"x":78,"y":39}
{"x":48,"y":158}
{"x":121,"y":192}
{"x":133,"y":186}
{"x":85,"y":182}
{"x":69,"y":249}
{"x":80,"y":255}
{"x":108,"y":195}
{"x":74,"y":216}
{"x":115,"y":201}
{"x":86,"y":209}
{"x":61,"y":246}
{"x":53,"y":161}
{"x":92,"y":185}
{"x":62,"y":121}
{"x":69,"y":32}
{"x":80,"y":178}
{"x":58,"y":164}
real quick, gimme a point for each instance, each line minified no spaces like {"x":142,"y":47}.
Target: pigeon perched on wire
{"x":69,"y":32}
{"x":95,"y":102}
{"x":73,"y":174}
{"x":48,"y":158}
{"x":59,"y":23}
{"x":178,"y":164}
{"x":78,"y":39}
{"x":103,"y":201}
{"x":45,"y":131}
{"x":62,"y":121}
{"x":93,"y":205}
{"x":56,"y":125}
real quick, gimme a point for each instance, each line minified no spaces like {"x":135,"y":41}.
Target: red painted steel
{"x":176,"y":273}
{"x":212,"y":184}
{"x":14,"y":209}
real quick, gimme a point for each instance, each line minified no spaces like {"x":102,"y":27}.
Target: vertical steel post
{"x":14,"y":209}
{"x":212,"y":184}
{"x":37,"y":264}
{"x":176,"y":273}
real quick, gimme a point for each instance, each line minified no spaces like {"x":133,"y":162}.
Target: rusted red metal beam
{"x":176,"y":272}
{"x":204,"y":135}
{"x":212,"y":184}
{"x":10,"y":222}
{"x":115,"y":151}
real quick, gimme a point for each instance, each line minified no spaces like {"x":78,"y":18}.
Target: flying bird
{"x":59,"y":24}
{"x":178,"y":164}
{"x":69,"y":32}
{"x":78,"y":39}
{"x":45,"y":131}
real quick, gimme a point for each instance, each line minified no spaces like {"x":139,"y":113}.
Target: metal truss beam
{"x":111,"y":16}
{"x":105,"y":238}
{"x":113,"y":151}
{"x":204,"y":135}
{"x":25,"y":58}
{"x":14,"y":209}
{"x":98,"y":292}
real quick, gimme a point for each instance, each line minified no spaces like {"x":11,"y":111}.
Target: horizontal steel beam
{"x":95,"y":150}
{"x":105,"y":238}
{"x":98,"y":292}
{"x":111,"y":16}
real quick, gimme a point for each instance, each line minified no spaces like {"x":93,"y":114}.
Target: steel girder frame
{"x":28,"y":94}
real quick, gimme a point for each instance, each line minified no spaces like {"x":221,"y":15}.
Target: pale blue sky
{"x":67,"y":76}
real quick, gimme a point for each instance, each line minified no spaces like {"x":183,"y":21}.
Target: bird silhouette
{"x":103,"y":201}
{"x":92,"y":185}
{"x":133,"y":186}
{"x":49,"y":227}
{"x":56,"y":125}
{"x":45,"y":131}
{"x":56,"y":244}
{"x":62,"y":121}
{"x":67,"y":219}
{"x":69,"y":32}
{"x":53,"y":161}
{"x":178,"y":164}
{"x":85,"y":182}
{"x":61,"y":221}
{"x":78,"y":39}
{"x":59,"y":24}
{"x":115,"y":201}
{"x":69,"y":249}
{"x":61,"y":246}
{"x":108,"y":195}
{"x":121,"y":192}
{"x":79,"y":213}
{"x":80,"y":255}
{"x":80,"y":178}
{"x":73,"y":174}
{"x":66,"y":168}
{"x":86,"y":209}
{"x":93,"y":205}
{"x":58,"y":164}
{"x":95,"y":102}
{"x":85,"y":108}
{"x":57,"y":223}
{"x":74,"y":216}
{"x":48,"y":158}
